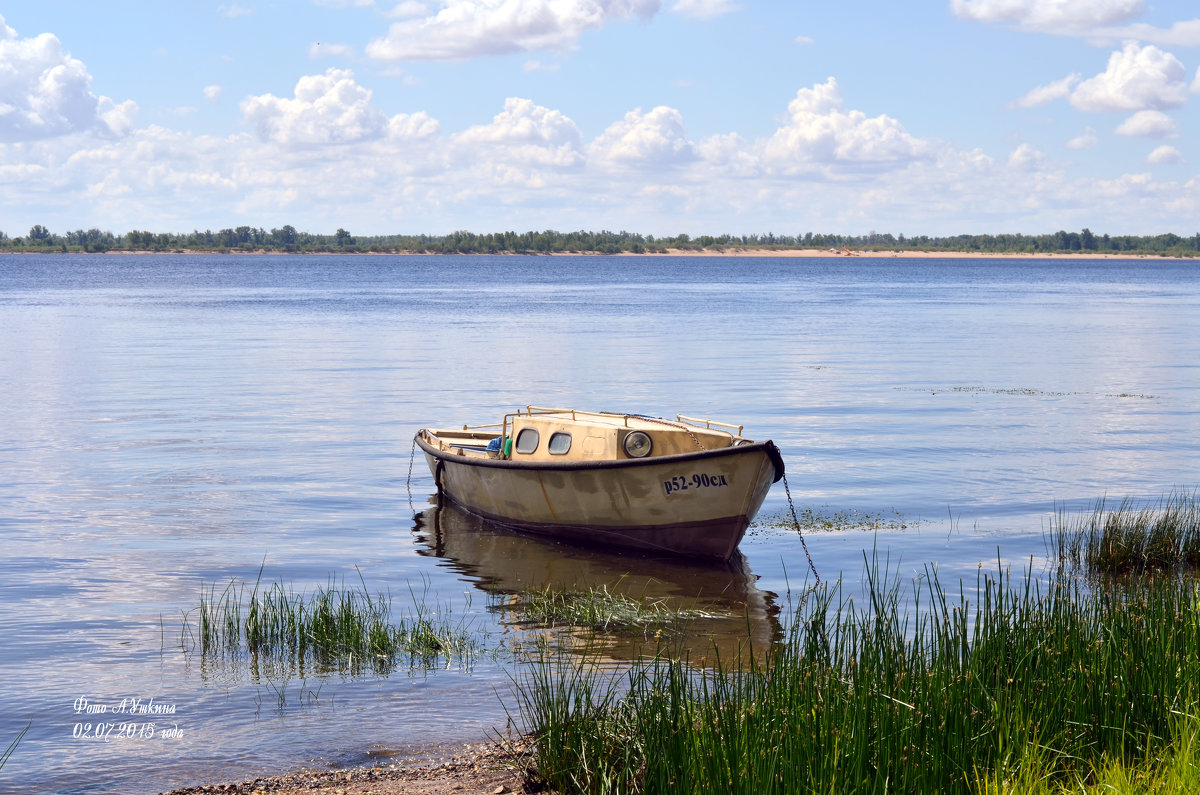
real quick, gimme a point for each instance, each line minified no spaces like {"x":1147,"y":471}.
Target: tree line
{"x":288,"y":239}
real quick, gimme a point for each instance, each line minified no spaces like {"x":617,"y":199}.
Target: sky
{"x":659,"y":117}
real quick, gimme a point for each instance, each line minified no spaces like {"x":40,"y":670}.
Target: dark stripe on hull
{"x":714,"y":539}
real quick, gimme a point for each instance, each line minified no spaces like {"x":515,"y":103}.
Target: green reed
{"x":337,"y":626}
{"x":1170,"y":770}
{"x":8,"y":752}
{"x":918,"y":690}
{"x":1128,"y":539}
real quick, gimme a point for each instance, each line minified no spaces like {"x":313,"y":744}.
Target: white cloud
{"x":164,"y":180}
{"x":45,"y":93}
{"x":468,"y":28}
{"x":1148,"y":124}
{"x":650,"y":140}
{"x":1165,"y":155}
{"x":730,"y":154}
{"x":703,"y":9}
{"x":1049,"y":15}
{"x":804,"y":41}
{"x":1180,"y":34}
{"x":330,"y":108}
{"x":1085,"y":140}
{"x":528,"y":166}
{"x":1100,"y":21}
{"x":1196,"y":83}
{"x":408,"y":10}
{"x":213,"y":93}
{"x":412,"y":126}
{"x":821,"y":132}
{"x":1026,"y":158}
{"x":324,"y":49}
{"x":147,"y":174}
{"x":1137,"y":78}
{"x":233,"y":11}
{"x":1048,"y":93}
{"x":116,"y":120}
{"x":525,"y":134}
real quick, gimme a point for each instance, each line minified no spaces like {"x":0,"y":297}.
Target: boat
{"x":684,"y":486}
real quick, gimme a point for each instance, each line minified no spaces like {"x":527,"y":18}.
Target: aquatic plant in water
{"x":336,"y":627}
{"x":825,"y":519}
{"x":597,"y":608}
{"x":8,"y":752}
{"x":1131,"y":538}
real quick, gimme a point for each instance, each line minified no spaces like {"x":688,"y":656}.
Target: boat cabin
{"x":582,"y":436}
{"x":540,"y":435}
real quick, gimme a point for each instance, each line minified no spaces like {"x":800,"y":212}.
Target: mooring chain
{"x":670,"y":424}
{"x":411,"y":455}
{"x":796,"y":522}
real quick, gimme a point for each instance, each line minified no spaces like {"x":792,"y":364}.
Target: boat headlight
{"x":637,"y":444}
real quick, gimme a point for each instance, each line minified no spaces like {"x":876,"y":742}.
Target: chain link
{"x":412,"y":455}
{"x":670,"y":424}
{"x":796,"y":522}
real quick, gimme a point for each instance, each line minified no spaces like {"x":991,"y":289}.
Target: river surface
{"x":170,"y":423}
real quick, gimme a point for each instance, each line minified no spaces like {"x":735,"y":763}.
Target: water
{"x":170,"y":422}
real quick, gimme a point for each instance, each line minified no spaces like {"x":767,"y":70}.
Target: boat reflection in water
{"x":724,"y":612}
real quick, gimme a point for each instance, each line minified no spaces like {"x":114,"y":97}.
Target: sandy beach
{"x":464,"y":770}
{"x":897,"y":254}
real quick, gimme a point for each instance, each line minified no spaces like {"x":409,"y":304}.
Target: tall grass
{"x":1129,"y":539}
{"x":337,"y":627}
{"x":1171,"y":770}
{"x":919,"y":690}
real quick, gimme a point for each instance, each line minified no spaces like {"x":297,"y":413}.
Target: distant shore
{"x":724,"y":251}
{"x":897,"y":254}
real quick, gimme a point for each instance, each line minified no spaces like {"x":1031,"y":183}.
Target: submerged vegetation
{"x":597,"y":608}
{"x":1053,"y":687}
{"x":334,"y":628}
{"x":825,"y":519}
{"x":288,"y":239}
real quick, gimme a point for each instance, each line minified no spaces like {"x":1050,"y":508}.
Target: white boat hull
{"x":696,"y":504}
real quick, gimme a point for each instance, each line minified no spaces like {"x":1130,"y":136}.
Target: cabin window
{"x":560,"y":443}
{"x":527,"y":441}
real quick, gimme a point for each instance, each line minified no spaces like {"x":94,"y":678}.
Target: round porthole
{"x":637,"y":444}
{"x":527,"y":441}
